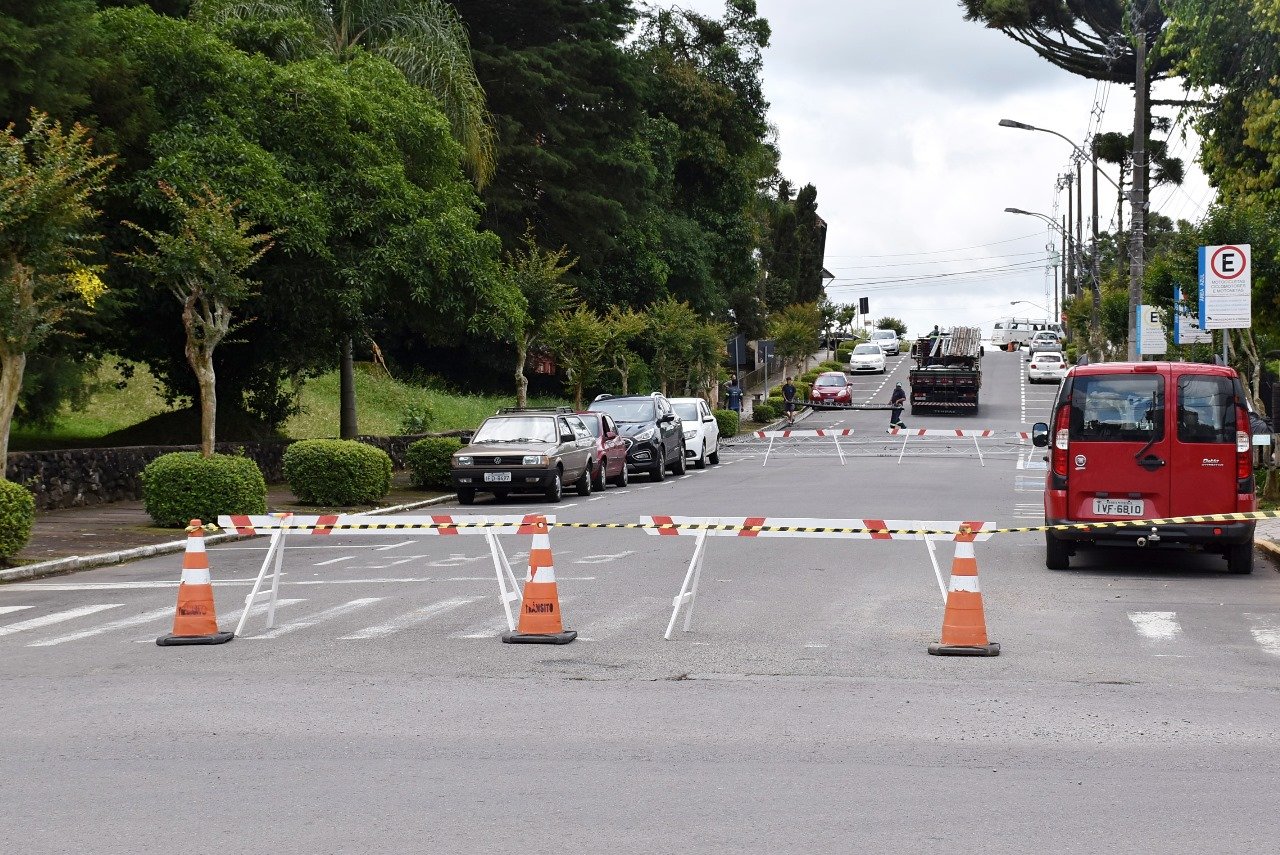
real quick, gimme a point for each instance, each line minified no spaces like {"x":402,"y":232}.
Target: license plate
{"x":491,"y":477}
{"x":1118,"y":508}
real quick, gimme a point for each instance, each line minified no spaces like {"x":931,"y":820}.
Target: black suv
{"x":650,"y":428}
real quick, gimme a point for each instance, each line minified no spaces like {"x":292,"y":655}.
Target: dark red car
{"x":610,"y":451}
{"x":831,"y":388}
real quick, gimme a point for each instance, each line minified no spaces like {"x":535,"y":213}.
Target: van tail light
{"x":1244,"y":450}
{"x":1061,"y":437}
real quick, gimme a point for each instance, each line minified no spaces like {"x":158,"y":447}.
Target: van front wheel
{"x":1240,"y":558}
{"x":1057,"y":555}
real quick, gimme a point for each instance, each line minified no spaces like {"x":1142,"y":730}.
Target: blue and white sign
{"x":1186,"y":327}
{"x":1151,"y":340}
{"x":1226,"y":287}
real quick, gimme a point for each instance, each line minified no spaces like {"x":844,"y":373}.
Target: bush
{"x":337,"y":471}
{"x":728,"y":422}
{"x":184,"y":485}
{"x":809,"y":376}
{"x":17,"y":515}
{"x":832,"y":365}
{"x":430,"y":461}
{"x":416,"y":419}
{"x":843,"y":352}
{"x":765,"y":412}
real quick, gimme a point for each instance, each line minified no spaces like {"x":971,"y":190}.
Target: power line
{"x":935,"y":251}
{"x":1022,"y":265}
{"x":939,"y":261}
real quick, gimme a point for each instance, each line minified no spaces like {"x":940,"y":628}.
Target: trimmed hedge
{"x":182,"y":486}
{"x":17,"y":516}
{"x":337,"y":472}
{"x":765,"y":412}
{"x":430,"y":461}
{"x":728,"y":421}
{"x":832,"y":365}
{"x":810,"y":375}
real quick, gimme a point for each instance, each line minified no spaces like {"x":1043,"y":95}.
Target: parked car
{"x":701,"y":431}
{"x":831,"y":387}
{"x":888,"y":341}
{"x":1045,"y":341}
{"x":525,"y":451}
{"x":610,"y":452}
{"x":651,"y":430}
{"x":1046,"y":367}
{"x":1149,"y":440}
{"x":867,"y":357}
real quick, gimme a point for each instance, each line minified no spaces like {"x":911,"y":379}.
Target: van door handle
{"x":1151,"y":463}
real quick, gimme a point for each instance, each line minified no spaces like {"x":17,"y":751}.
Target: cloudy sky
{"x":891,"y":109}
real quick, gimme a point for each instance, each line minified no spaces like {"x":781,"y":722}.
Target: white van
{"x":1020,"y":330}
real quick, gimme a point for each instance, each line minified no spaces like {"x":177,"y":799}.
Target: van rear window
{"x":1206,"y":409}
{"x":1122,"y":408}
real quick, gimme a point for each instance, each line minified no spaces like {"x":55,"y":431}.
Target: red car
{"x":831,"y":388}
{"x":610,"y":451}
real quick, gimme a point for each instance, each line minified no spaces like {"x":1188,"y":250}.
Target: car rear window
{"x":1206,"y":409}
{"x":1048,"y":357}
{"x":1118,"y":408}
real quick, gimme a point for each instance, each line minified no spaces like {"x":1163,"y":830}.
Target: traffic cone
{"x":540,"y":621}
{"x":195,"y":621}
{"x":964,"y":625}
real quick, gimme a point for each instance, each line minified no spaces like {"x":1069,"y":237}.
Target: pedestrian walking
{"x":789,"y":401}
{"x":897,"y":401}
{"x":735,"y":394}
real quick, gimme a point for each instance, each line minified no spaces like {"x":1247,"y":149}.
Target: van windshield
{"x":1206,"y":409}
{"x":1123,"y":408}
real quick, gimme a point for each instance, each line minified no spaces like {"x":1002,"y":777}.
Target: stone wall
{"x":73,"y":477}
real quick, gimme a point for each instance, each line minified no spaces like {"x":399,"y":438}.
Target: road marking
{"x":566,"y":507}
{"x":112,"y":586}
{"x":813,"y":645}
{"x":317,"y":617}
{"x":457,"y":559}
{"x":605,"y":558}
{"x":1266,"y":633}
{"x":615,"y":621}
{"x":409,"y":619}
{"x":123,"y":623}
{"x":1156,"y":626}
{"x":391,"y":546}
{"x":56,"y":617}
{"x":333,"y":560}
{"x":5,"y":610}
{"x":232,"y":618}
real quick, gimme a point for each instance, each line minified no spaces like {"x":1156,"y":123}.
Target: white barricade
{"x":896,"y":442}
{"x":838,"y":529}
{"x":280,"y":526}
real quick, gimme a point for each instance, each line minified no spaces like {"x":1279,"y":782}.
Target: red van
{"x":1149,"y":440}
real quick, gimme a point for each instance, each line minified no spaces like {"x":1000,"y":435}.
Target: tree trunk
{"x":11,"y":370}
{"x":522,"y":382}
{"x":201,"y":359}
{"x":347,"y":426}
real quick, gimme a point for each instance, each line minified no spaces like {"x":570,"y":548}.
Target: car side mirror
{"x":610,"y":435}
{"x":1040,"y":435}
{"x":465,"y":437}
{"x":568,"y":437}
{"x":708,"y":418}
{"x":667,"y":418}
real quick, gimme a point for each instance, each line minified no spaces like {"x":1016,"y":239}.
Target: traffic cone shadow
{"x":195,"y":621}
{"x":964,"y":623}
{"x":540,"y":618}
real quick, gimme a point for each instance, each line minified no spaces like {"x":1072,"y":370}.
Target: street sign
{"x":1151,"y":340}
{"x":1186,"y":327}
{"x":1226,"y":287}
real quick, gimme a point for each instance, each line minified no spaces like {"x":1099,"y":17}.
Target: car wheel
{"x":659,"y":470}
{"x":555,"y":490}
{"x":701,"y":462}
{"x":679,"y":467}
{"x":583,"y":484}
{"x":1057,"y":556}
{"x":598,"y":483}
{"x":466,"y":496}
{"x":714,"y":456}
{"x":622,"y":479}
{"x":1240,"y":558}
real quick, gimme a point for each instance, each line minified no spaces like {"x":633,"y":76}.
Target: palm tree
{"x":425,"y":39}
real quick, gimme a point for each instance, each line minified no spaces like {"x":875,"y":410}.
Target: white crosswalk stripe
{"x":1156,"y":626}
{"x":1266,"y":632}
{"x":123,"y":623}
{"x":230,"y":619}
{"x":56,"y":617}
{"x":409,"y":619}
{"x":8,"y":610}
{"x":318,"y":617}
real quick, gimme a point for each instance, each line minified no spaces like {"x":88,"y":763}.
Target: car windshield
{"x":518,"y":429}
{"x":593,"y":425}
{"x":867,"y":348}
{"x":687,"y":411}
{"x":628,"y":410}
{"x":884,"y":334}
{"x":830,"y":380}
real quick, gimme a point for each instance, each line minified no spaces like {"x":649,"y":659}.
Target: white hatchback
{"x":1047,"y":366}
{"x":867,"y":357}
{"x":701,"y":431}
{"x":888,"y":341}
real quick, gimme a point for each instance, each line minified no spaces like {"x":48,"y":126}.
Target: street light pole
{"x":1095,"y":311}
{"x":1137,"y":207}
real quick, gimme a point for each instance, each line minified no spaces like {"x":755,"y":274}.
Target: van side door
{"x":1204,"y":447}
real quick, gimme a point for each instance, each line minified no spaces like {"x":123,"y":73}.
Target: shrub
{"x":843,"y":352}
{"x":17,"y":515}
{"x":765,"y":412}
{"x":727,"y":421}
{"x":184,"y":485}
{"x":809,"y":376}
{"x":337,"y":471}
{"x":832,"y":365}
{"x":430,"y":461}
{"x":416,"y":418}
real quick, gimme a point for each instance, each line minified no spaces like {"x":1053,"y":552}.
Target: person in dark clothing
{"x":735,"y":394}
{"x":897,"y":400}
{"x":789,"y":401}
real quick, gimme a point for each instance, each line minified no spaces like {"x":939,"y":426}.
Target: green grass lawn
{"x":381,"y":407}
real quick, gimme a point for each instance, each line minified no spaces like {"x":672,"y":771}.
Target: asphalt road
{"x":1132,"y":708}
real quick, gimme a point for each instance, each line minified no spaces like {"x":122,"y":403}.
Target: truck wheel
{"x":1057,"y":556}
{"x":1240,"y":558}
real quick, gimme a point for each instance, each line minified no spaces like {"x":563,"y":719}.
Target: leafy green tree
{"x":890,"y":323}
{"x":47,"y":57}
{"x":793,"y":257}
{"x":48,"y":178}
{"x":202,"y":263}
{"x":622,"y":327}
{"x":425,"y":39}
{"x":706,"y":357}
{"x":670,"y":338}
{"x":577,"y":341}
{"x":795,"y":333}
{"x":537,"y":275}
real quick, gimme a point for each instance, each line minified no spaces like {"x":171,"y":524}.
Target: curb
{"x":1270,"y":547}
{"x":73,"y":563}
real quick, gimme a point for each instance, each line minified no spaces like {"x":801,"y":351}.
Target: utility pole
{"x":1066,"y":283}
{"x":1071,"y":256}
{"x":1138,"y":202}
{"x":1079,"y":225}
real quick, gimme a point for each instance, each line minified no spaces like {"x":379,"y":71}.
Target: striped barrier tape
{"x":958,"y":432}
{"x":864,"y":529}
{"x":768,"y":434}
{"x":435,"y":524}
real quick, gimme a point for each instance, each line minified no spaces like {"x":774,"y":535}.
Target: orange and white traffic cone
{"x":964,"y":625}
{"x":195,"y":621}
{"x":540,"y":621}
